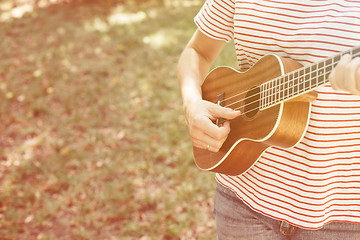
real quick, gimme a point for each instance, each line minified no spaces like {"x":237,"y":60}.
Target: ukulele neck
{"x":300,"y":81}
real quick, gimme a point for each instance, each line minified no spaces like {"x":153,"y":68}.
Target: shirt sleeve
{"x":216,"y":19}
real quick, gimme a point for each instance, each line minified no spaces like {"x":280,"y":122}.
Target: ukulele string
{"x":270,"y":96}
{"x":279,"y":85}
{"x":272,"y":101}
{"x":282,"y":84}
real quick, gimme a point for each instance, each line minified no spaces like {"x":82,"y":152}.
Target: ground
{"x":93,"y":141}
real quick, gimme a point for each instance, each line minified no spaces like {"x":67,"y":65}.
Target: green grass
{"x":93,"y":141}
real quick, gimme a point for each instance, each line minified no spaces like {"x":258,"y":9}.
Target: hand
{"x":203,"y":132}
{"x":346,"y":75}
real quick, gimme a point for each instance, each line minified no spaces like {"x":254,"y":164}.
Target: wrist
{"x":191,"y":99}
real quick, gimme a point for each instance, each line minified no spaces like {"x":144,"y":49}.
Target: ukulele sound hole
{"x":252,"y":102}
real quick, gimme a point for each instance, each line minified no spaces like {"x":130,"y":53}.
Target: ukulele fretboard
{"x":300,"y":81}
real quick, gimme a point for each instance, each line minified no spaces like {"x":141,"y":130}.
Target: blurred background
{"x":93,"y":141}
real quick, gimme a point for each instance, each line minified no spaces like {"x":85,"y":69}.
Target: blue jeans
{"x":235,"y":220}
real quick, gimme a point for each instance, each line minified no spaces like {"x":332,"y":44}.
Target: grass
{"x":93,"y":142}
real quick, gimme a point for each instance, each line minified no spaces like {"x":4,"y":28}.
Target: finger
{"x":206,"y":124}
{"x":208,"y":133}
{"x":345,"y":59}
{"x":226,"y":129}
{"x":204,"y":141}
{"x":332,"y":80}
{"x":337,"y":75}
{"x":216,"y":132}
{"x":354,"y":77}
{"x":348,"y":82}
{"x":204,"y":138}
{"x":358,"y":78}
{"x":218,"y":111}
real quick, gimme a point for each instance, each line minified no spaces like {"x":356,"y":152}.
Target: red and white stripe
{"x":317,"y":181}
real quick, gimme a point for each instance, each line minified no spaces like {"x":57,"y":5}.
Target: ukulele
{"x":274,"y":97}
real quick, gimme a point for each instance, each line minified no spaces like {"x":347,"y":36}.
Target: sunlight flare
{"x":158,"y":39}
{"x":10,"y":13}
{"x":126,"y":18}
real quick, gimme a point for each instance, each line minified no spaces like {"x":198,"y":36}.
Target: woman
{"x":310,"y":191}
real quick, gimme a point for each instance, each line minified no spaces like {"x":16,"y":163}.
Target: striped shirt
{"x":318,"y":180}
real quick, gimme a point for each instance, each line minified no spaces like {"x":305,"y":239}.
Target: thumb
{"x":218,"y":111}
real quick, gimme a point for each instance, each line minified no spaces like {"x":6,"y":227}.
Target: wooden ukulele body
{"x":281,"y":125}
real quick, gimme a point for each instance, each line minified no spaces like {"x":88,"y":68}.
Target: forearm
{"x":195,"y":63}
{"x":193,"y":66}
{"x":192,"y":69}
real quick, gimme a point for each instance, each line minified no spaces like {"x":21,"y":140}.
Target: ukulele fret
{"x":300,"y":81}
{"x":272,"y":92}
{"x":262,"y":96}
{"x":286,"y":87}
{"x":320,"y":75}
{"x":277,"y":90}
{"x":291,"y":86}
{"x":266,"y":94}
{"x":283,"y":86}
